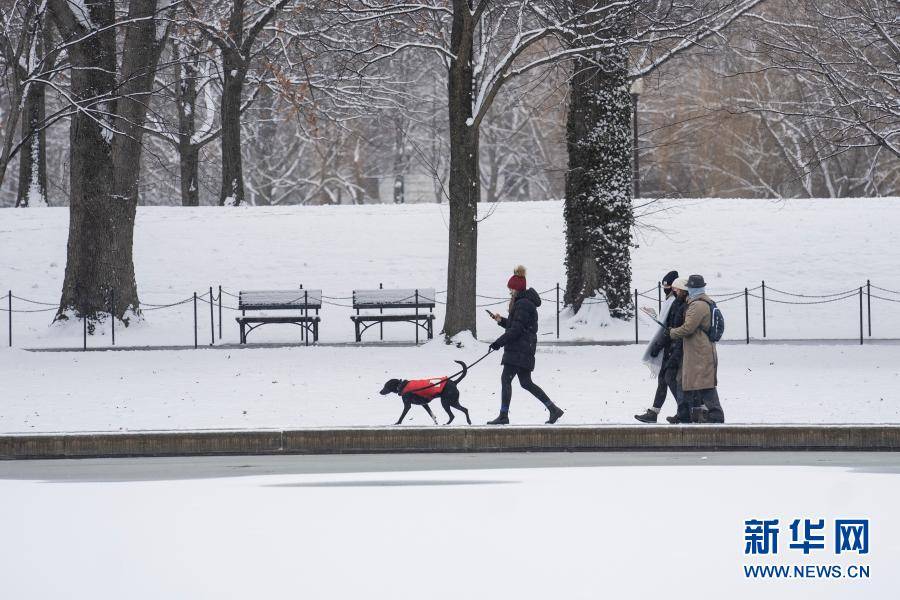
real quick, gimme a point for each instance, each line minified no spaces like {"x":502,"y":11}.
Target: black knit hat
{"x":696,"y":281}
{"x":669,"y":278}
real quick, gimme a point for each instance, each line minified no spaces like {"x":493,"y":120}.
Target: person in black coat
{"x":671,"y":350}
{"x":519,"y":344}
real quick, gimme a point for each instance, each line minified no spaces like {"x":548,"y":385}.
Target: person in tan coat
{"x":698,"y":374}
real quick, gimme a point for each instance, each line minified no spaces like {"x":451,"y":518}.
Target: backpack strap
{"x":711,"y":305}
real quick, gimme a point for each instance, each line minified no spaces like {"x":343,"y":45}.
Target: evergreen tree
{"x":598,"y":210}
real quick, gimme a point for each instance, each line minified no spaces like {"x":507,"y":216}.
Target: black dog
{"x":423,"y":391}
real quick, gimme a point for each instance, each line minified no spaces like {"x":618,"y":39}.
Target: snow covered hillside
{"x":806,"y":246}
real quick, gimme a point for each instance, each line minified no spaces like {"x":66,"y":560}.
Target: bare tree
{"x":28,"y":62}
{"x":518,"y":142}
{"x":188,"y":98}
{"x":108,"y":98}
{"x":713,"y":120}
{"x":483,"y":44}
{"x":848,"y":56}
{"x":235,"y":33}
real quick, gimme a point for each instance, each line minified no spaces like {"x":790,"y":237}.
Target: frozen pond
{"x":523,"y":526}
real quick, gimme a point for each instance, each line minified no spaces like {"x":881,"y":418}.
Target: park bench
{"x":411,"y":301}
{"x":300,"y":302}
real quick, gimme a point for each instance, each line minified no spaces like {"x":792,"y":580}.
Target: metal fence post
{"x":860,"y":316}
{"x":764,"y":306}
{"x":84,"y":327}
{"x":381,"y":324}
{"x":212,"y":320}
{"x":303,"y":332}
{"x":747,"y":313}
{"x":195,"y":320}
{"x":869,"y":302}
{"x":220,"y":313}
{"x":557,"y":310}
{"x":417,"y":317}
{"x":658,"y":296}
{"x":636,"y":316}
{"x":112,"y":314}
{"x":9,"y":307}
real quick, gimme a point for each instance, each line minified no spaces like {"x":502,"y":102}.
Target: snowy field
{"x":325,"y":386}
{"x":572,"y":533}
{"x":816,"y":247}
{"x":812,"y":247}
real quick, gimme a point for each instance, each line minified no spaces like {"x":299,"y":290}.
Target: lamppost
{"x":637,"y":86}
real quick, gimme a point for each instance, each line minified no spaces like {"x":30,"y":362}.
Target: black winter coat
{"x":519,"y":343}
{"x":674,"y":352}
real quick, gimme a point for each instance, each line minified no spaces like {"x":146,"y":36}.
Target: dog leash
{"x":475,"y":363}
{"x":451,"y":376}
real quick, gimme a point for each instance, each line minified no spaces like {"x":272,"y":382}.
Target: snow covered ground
{"x":590,"y":532}
{"x":327,"y":386}
{"x":812,"y":247}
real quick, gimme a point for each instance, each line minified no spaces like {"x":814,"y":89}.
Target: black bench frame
{"x":309,"y":324}
{"x":420,"y":320}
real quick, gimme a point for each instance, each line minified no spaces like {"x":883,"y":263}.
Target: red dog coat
{"x":426,"y":388}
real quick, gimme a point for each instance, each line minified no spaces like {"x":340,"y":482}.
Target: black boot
{"x":648,"y":417}
{"x":699,"y":414}
{"x":716,"y":417}
{"x":674,"y":420}
{"x":503,"y":419}
{"x":555,"y":413}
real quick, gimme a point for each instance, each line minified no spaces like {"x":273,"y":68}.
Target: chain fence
{"x":220,"y":299}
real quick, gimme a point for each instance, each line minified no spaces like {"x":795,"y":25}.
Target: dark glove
{"x":495,"y":346}
{"x":669,"y":332}
{"x":654,"y":350}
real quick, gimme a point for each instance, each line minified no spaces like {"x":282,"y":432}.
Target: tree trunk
{"x":189,"y":164}
{"x":493,"y":178}
{"x":264,"y":150}
{"x":28,"y":101}
{"x":105,"y":150}
{"x":232,"y":193}
{"x":188,"y":151}
{"x":464,"y":186}
{"x":400,"y":164}
{"x":33,"y":153}
{"x":598,"y":209}
{"x":236,"y":56}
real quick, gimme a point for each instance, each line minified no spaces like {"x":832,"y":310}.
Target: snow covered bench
{"x":300,"y":301}
{"x":410,"y":300}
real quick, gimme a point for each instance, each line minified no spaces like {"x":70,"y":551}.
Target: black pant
{"x":525,"y":381}
{"x":666,"y":381}
{"x":708,"y":398}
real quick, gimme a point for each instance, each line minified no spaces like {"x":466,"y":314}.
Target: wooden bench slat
{"x":393,"y":317}
{"x":279,"y":299}
{"x":298,"y":318}
{"x":399,"y":298}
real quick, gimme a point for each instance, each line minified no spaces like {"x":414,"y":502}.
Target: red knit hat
{"x":516,"y":282}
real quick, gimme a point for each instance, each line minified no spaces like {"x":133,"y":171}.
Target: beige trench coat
{"x":698,"y":369}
